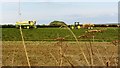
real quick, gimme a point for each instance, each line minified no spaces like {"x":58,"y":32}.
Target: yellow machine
{"x":26,"y":24}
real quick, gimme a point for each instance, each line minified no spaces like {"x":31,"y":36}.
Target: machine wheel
{"x":28,"y":27}
{"x":35,"y":27}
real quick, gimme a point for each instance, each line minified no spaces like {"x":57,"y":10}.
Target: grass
{"x":49,"y":34}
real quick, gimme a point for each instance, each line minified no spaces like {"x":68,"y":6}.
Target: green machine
{"x":76,"y":25}
{"x":26,"y":24}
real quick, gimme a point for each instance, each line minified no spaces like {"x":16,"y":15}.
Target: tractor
{"x":26,"y":24}
{"x":76,"y":26}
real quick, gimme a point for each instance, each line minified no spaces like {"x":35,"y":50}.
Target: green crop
{"x":50,"y":34}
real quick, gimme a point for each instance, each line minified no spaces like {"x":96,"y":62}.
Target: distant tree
{"x":43,"y":24}
{"x":57,"y":23}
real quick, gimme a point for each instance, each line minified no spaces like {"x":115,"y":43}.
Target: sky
{"x":44,"y":12}
{"x":60,"y":0}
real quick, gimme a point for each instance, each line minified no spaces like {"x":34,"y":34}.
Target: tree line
{"x":56,"y":26}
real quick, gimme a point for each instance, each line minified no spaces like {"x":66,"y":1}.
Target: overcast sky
{"x":60,"y":0}
{"x":84,"y":11}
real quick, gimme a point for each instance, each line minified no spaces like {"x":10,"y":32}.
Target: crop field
{"x":49,"y":34}
{"x":59,"y":47}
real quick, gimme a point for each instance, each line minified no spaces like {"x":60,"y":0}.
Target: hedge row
{"x":47,"y":26}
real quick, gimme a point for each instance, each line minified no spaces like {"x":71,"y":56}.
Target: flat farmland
{"x":42,"y":53}
{"x":49,"y":34}
{"x":59,"y":47}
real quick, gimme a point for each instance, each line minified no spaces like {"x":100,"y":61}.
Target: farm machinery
{"x":88,"y":26}
{"x":76,"y":25}
{"x":26,"y":24}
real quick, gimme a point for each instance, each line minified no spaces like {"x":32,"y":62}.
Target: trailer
{"x":88,"y":26}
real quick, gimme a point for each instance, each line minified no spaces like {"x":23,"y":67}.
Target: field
{"x":47,"y":54}
{"x":45,"y":49}
{"x":49,"y":34}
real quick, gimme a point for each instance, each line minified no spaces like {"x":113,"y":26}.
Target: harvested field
{"x":43,"y":53}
